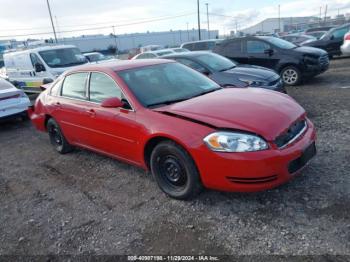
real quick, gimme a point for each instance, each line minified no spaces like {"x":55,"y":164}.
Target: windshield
{"x":63,"y":57}
{"x":279,"y":42}
{"x":164,"y":53}
{"x":166,"y":83}
{"x":216,"y":62}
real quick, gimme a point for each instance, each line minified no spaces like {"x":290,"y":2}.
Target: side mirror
{"x":47,"y":81}
{"x":332,"y":37}
{"x":269,"y":52}
{"x":204,"y":71}
{"x":39,"y":67}
{"x":113,"y":102}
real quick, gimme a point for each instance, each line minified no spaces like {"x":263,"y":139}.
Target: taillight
{"x":9,"y":97}
{"x":347,"y":37}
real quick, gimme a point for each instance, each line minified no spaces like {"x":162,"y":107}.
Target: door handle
{"x":91,"y":112}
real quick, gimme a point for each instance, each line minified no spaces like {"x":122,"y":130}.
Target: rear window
{"x":74,"y":86}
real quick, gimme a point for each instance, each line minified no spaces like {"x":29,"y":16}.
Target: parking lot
{"x":85,"y":203}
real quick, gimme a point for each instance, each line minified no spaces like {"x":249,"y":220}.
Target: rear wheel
{"x":175,"y":171}
{"x":57,"y":138}
{"x":291,"y":75}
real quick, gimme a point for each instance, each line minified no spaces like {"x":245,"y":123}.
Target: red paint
{"x":124,"y":134}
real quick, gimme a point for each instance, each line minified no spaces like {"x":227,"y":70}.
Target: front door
{"x":112,"y":130}
{"x":257,"y":54}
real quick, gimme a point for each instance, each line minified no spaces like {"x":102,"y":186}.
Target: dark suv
{"x":292,"y":62}
{"x":332,"y":40}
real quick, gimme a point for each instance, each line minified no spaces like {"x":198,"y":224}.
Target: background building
{"x":126,"y":42}
{"x":284,"y":24}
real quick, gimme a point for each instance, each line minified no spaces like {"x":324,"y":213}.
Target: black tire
{"x":291,"y":76}
{"x":57,"y":138}
{"x":175,"y":171}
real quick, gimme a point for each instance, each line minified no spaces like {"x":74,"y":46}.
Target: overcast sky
{"x":27,"y":17}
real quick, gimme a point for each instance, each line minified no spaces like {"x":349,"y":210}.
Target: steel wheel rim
{"x":290,"y":76}
{"x":172,"y":172}
{"x":55,"y":135}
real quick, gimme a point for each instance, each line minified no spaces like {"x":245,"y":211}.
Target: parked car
{"x":298,"y":38}
{"x":13,"y":102}
{"x":180,"y":50}
{"x":28,"y":68}
{"x":345,"y":48}
{"x":316,"y":34}
{"x":332,"y":40}
{"x":97,"y":57}
{"x":228,"y":73}
{"x":153,"y":54}
{"x":148,"y":48}
{"x":292,"y":62}
{"x":170,"y":119}
{"x":202,"y":45}
{"x":316,"y":29}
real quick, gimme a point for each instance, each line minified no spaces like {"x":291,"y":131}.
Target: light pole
{"x":188,"y":33}
{"x":199,"y":22}
{"x":279,"y":18}
{"x":115,"y":40}
{"x":53,"y":26}
{"x":208,"y":20}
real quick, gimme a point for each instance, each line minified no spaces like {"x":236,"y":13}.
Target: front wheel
{"x":291,"y":75}
{"x":57,"y":138}
{"x":175,"y":171}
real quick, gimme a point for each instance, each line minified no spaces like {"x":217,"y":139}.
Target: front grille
{"x":251,"y":180}
{"x":293,"y":132}
{"x":301,"y":161}
{"x":324,"y":60}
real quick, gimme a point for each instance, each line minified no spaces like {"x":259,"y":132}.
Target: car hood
{"x":250,"y":72}
{"x":254,"y":110}
{"x":310,"y":50}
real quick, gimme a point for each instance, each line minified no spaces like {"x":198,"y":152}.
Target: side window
{"x":55,"y":90}
{"x":74,"y":86}
{"x":102,"y":87}
{"x":200,"y":46}
{"x":188,"y":46}
{"x":191,"y":64}
{"x":257,"y":47}
{"x":35,"y":59}
{"x":340,"y":33}
{"x":233,"y":47}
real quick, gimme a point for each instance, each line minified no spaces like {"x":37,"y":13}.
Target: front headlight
{"x":253,"y":83}
{"x":234,"y":142}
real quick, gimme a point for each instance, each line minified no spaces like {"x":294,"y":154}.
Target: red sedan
{"x":172,"y":120}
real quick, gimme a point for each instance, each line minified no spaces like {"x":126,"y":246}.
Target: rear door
{"x":256,"y":52}
{"x":234,"y":50}
{"x":69,"y":108}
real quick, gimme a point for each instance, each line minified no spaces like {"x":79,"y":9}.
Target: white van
{"x":30,"y":68}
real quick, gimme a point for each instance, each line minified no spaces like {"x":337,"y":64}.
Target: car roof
{"x":187,"y":54}
{"x":157,"y":51}
{"x":93,"y":53}
{"x":200,"y":41}
{"x":38,"y":49}
{"x":120,"y":65}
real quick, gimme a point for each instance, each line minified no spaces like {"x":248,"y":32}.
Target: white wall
{"x":129,"y":41}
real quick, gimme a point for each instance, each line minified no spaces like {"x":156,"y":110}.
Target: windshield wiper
{"x":225,"y":69}
{"x":168,"y":102}
{"x":207,"y":92}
